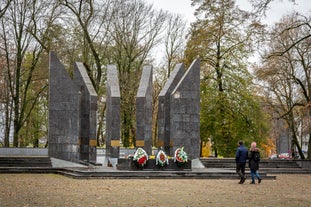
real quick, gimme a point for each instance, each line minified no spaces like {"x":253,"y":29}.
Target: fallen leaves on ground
{"x":22,"y":190}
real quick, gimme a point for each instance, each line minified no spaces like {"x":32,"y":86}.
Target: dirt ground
{"x":55,"y":190}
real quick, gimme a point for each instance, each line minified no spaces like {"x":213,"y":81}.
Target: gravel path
{"x":21,"y":190}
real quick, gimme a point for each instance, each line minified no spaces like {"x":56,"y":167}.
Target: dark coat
{"x":254,"y":164}
{"x":241,"y":154}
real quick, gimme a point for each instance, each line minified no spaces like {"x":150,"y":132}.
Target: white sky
{"x":277,"y":8}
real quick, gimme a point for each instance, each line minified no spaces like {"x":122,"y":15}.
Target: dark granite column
{"x":144,"y":111}
{"x":164,"y":109}
{"x":185,"y":112}
{"x":88,"y":107}
{"x":112,"y":114}
{"x":63,"y":141}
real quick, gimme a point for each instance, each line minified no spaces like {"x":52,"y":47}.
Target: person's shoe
{"x":243,"y":180}
{"x":252,"y":182}
{"x":259,"y":180}
{"x":240,"y":182}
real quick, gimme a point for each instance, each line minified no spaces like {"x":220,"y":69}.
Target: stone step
{"x":208,"y":165}
{"x":112,"y":173}
{"x":25,"y":161}
{"x":121,"y":174}
{"x":264,"y":163}
{"x":146,"y":174}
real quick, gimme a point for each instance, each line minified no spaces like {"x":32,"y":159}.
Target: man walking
{"x":240,"y":159}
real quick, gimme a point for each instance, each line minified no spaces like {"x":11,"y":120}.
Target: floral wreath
{"x":140,"y":157}
{"x":180,"y":156}
{"x":161,"y":158}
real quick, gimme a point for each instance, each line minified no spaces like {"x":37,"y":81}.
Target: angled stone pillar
{"x":112,"y":114}
{"x":88,"y":108}
{"x":185,"y":112}
{"x":164,"y":109}
{"x":63,"y":138}
{"x":144,"y":111}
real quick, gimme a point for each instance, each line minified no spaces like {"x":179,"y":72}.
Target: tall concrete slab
{"x":112,"y":113}
{"x":164,"y":106}
{"x":88,"y":108}
{"x":63,"y":138}
{"x":185,"y":112}
{"x":144,"y":111}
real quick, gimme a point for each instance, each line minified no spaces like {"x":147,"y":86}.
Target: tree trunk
{"x":294,"y":136}
{"x":8,"y":112}
{"x":309,"y":145}
{"x":309,"y":148}
{"x":296,"y":143}
{"x":100,"y":125}
{"x":16,"y":126}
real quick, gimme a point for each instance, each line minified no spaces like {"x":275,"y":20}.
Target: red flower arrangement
{"x":140,"y":157}
{"x":161,"y":159}
{"x":180,"y":156}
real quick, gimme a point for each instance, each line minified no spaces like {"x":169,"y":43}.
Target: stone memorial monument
{"x":72,"y":113}
{"x":112,"y":115}
{"x":185,"y":112}
{"x":73,"y":105}
{"x":64,"y":103}
{"x":88,"y":108}
{"x":164,"y":118}
{"x":144,"y":111}
{"x":178,"y":117}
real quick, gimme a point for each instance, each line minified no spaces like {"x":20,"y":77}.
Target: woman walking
{"x":254,"y":159}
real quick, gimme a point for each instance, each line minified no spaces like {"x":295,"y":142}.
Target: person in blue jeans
{"x":254,"y":159}
{"x":240,"y":159}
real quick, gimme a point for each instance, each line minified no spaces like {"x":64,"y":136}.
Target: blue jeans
{"x":253,"y":174}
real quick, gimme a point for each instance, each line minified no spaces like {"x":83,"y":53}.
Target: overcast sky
{"x":277,"y":9}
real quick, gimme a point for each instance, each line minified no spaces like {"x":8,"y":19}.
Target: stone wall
{"x":17,"y":151}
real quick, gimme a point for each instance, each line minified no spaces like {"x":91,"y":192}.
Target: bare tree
{"x":6,"y":108}
{"x":4,"y":6}
{"x":94,"y":19}
{"x":174,"y":41}
{"x":22,"y":54}
{"x":287,"y":71}
{"x":89,"y":25}
{"x":135,"y":31}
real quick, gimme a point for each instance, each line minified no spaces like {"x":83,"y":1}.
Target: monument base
{"x":129,"y":164}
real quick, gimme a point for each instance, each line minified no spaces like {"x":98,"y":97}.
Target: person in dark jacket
{"x":254,"y":159}
{"x":240,"y":159}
